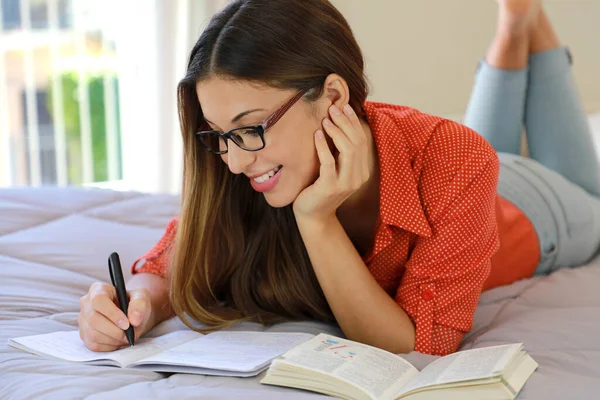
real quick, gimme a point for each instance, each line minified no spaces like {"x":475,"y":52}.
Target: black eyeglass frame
{"x":259,"y":129}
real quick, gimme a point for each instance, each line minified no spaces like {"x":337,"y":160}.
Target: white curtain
{"x":153,"y":60}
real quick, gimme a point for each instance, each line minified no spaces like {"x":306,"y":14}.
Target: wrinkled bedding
{"x":54,"y":244}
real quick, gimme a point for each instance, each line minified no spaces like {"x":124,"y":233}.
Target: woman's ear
{"x":336,"y":90}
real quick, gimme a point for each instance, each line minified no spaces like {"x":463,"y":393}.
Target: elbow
{"x":399,"y":337}
{"x":401,"y":345}
{"x":397,"y":340}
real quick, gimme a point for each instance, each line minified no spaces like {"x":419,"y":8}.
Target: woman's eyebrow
{"x":239,"y":116}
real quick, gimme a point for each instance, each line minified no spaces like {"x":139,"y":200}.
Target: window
{"x":88,"y":91}
{"x":46,"y":134}
{"x":59,"y":94}
{"x":11,"y":14}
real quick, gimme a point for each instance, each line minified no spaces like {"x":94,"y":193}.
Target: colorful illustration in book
{"x":341,"y":350}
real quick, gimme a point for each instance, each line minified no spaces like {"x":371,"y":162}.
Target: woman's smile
{"x":267,"y":181}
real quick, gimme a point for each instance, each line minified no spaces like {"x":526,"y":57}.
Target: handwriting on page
{"x":234,"y":351}
{"x":67,"y":345}
{"x":149,"y":347}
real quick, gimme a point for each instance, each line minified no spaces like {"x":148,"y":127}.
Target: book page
{"x":465,"y":365}
{"x":67,"y":345}
{"x":380,"y":373}
{"x":230,"y":350}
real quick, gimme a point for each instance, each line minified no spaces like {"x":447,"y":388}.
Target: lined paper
{"x":67,"y":345}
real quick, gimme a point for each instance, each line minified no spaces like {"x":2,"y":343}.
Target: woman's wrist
{"x":315,"y":224}
{"x":160,"y":313}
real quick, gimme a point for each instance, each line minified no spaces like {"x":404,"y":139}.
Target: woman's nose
{"x":237,"y":159}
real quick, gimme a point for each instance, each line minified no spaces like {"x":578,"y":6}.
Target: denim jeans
{"x":558,"y":187}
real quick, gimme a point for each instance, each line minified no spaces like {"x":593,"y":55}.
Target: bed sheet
{"x":54,"y":244}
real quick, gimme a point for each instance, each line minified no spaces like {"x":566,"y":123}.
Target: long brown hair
{"x":235,"y":257}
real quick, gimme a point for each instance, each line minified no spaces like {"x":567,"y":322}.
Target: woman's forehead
{"x":222,"y":99}
{"x":216,"y":87}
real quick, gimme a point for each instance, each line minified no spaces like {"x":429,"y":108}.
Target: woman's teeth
{"x":266,"y":176}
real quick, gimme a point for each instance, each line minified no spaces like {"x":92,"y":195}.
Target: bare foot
{"x":518,"y":17}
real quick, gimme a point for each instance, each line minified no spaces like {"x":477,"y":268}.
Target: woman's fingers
{"x":99,"y":318}
{"x":352,"y":116}
{"x":350,"y":139}
{"x":102,"y":300}
{"x":339,"y":175}
{"x":358,"y":137}
{"x":348,"y":122}
{"x":340,"y":139}
{"x":95,"y":336}
{"x":140,"y":310}
{"x":328,"y":167}
{"x":100,"y":323}
{"x":140,"y":307}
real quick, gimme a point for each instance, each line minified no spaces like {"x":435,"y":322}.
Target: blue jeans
{"x":558,"y":187}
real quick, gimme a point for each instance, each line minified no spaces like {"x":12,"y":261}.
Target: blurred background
{"x":87,"y":87}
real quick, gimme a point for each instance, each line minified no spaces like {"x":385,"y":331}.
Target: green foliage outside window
{"x":95,"y":84}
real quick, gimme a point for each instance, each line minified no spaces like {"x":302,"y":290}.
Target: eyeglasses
{"x":249,"y":138}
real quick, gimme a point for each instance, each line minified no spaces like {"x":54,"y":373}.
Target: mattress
{"x":54,"y":244}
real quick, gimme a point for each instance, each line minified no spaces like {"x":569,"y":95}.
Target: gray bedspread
{"x":54,"y":244}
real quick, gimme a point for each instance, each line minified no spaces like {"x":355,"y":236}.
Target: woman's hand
{"x":102,"y":323}
{"x":338,"y":178}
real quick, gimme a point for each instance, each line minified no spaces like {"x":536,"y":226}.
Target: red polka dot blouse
{"x":438,"y":228}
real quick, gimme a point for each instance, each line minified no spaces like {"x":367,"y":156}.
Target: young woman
{"x":302,"y":200}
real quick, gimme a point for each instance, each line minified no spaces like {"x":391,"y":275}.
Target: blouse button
{"x":427,"y":294}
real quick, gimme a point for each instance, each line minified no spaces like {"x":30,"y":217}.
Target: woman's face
{"x":289,"y":158}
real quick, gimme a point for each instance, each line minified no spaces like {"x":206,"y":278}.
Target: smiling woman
{"x":302,"y":200}
{"x":249,"y":138}
{"x":242,"y":72}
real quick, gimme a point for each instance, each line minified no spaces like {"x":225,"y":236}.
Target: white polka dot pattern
{"x":436,"y":230}
{"x":437,"y":227}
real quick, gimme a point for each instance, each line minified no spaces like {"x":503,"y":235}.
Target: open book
{"x":227,"y":353}
{"x":351,"y":370}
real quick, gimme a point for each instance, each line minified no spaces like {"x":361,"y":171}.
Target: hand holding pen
{"x":103,"y":323}
{"x":116,"y":276}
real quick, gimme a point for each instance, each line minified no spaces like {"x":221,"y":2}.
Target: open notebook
{"x":227,"y":353}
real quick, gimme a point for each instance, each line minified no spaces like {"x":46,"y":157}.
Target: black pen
{"x":116,"y":276}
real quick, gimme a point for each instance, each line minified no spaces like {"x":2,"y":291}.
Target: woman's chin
{"x":278,"y":201}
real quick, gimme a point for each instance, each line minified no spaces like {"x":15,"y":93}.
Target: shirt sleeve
{"x":445,"y":273}
{"x":157,"y":260}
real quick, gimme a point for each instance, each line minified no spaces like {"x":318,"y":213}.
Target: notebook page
{"x":465,"y":365}
{"x":230,"y":351}
{"x":67,"y":345}
{"x":152,"y":346}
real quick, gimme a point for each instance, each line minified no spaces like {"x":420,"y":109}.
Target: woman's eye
{"x":250,"y":132}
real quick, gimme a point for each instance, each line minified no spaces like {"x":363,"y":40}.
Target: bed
{"x":54,"y":244}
